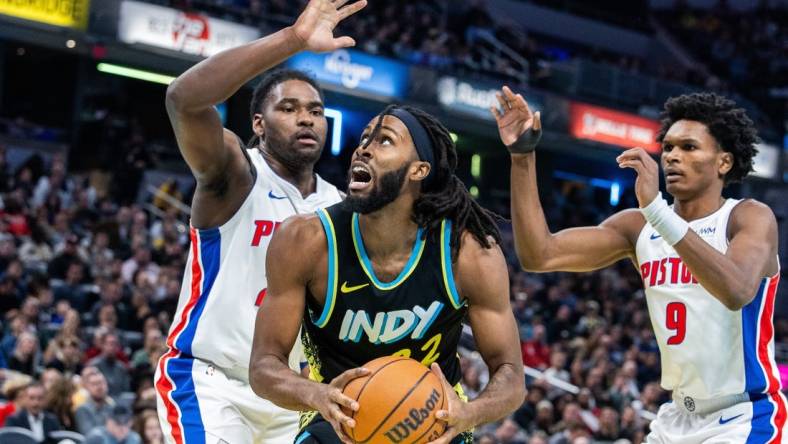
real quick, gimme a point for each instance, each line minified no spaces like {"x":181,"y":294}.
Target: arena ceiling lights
{"x":138,"y":74}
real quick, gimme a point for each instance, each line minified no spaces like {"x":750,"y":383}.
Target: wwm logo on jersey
{"x":389,"y":326}
{"x":666,"y":271}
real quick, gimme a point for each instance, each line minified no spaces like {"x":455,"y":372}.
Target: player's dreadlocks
{"x":729,"y":125}
{"x":446,"y":196}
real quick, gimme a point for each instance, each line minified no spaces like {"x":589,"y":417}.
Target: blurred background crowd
{"x":94,"y":211}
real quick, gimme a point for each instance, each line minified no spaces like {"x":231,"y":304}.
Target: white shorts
{"x":760,"y":421}
{"x":201,"y":404}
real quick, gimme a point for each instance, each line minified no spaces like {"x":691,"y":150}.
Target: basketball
{"x":397,"y":403}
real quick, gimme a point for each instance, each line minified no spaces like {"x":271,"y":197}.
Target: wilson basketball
{"x":397,"y":403}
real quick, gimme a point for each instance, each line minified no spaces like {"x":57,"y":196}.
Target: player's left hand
{"x":456,"y":414}
{"x":516,"y":122}
{"x":647,"y":183}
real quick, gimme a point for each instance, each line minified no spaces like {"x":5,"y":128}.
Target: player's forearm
{"x":218,"y":77}
{"x":272,"y":379}
{"x":503,"y":394}
{"x":717,"y":273}
{"x":531,"y":234}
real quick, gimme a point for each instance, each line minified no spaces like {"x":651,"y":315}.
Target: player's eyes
{"x":317,"y":112}
{"x":363,"y":140}
{"x":386,"y":141}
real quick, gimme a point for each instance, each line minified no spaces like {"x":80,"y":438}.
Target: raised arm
{"x":574,"y":249}
{"x":290,"y":271}
{"x":213,"y":153}
{"x":483,"y":281}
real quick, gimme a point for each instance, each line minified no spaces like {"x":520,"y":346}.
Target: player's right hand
{"x":331,"y":400}
{"x":315,"y":26}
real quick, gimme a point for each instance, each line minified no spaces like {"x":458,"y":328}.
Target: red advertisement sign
{"x":613,"y":127}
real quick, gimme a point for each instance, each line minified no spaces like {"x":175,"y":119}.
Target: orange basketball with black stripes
{"x":397,"y":403}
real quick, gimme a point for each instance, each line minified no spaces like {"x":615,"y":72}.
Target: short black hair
{"x":273,"y":78}
{"x":730,"y":126}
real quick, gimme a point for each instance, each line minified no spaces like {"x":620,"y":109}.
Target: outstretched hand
{"x":315,"y":26}
{"x":515,"y":118}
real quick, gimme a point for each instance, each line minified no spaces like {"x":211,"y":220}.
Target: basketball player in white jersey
{"x":709,"y":264}
{"x":242,"y":196}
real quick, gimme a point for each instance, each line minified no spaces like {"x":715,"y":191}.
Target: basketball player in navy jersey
{"x":393,"y":270}
{"x":242,"y":195}
{"x":709,"y":264}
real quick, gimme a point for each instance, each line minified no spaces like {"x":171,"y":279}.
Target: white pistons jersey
{"x":224,"y":282}
{"x":707,"y":350}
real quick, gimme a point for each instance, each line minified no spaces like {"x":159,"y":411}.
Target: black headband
{"x":421,"y":140}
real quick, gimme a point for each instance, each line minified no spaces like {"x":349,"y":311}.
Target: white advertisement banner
{"x":187,"y":32}
{"x":767,"y":161}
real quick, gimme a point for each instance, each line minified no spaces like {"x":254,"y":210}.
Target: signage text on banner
{"x":68,"y":13}
{"x":355,"y":71}
{"x":473,"y":98}
{"x":613,"y":127}
{"x":190,"y":33}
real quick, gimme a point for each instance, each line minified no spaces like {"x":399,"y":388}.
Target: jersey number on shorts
{"x":676,"y":320}
{"x":431,"y":345}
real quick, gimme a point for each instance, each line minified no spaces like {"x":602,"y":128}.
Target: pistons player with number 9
{"x":709,"y":264}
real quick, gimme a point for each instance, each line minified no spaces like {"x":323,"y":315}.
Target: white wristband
{"x":668,"y":224}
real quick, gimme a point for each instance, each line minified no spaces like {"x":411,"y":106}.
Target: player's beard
{"x":385,"y":191}
{"x":287,"y":152}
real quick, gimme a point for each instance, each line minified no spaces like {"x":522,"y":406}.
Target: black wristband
{"x":526,"y":142}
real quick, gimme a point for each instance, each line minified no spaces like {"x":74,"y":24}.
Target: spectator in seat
{"x":72,"y":289}
{"x":64,"y":353}
{"x":108,"y":364}
{"x":14,"y":392}
{"x":59,"y":400}
{"x":24,"y":359}
{"x":148,"y":427}
{"x":95,"y":410}
{"x":116,"y":429}
{"x":33,"y":417}
{"x":536,"y":352}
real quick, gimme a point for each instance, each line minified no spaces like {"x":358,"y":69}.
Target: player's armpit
{"x":482,"y":280}
{"x":590,"y":248}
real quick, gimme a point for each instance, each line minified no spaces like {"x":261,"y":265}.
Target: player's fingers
{"x":339,"y":398}
{"x":520,"y":103}
{"x":637,"y":166}
{"x":502,"y":102}
{"x":537,"y":121}
{"x":348,"y":375}
{"x":496,"y":113}
{"x":439,"y":373}
{"x":344,"y":42}
{"x":351,"y":9}
{"x":508,"y":94}
{"x":338,"y":3}
{"x":341,"y":418}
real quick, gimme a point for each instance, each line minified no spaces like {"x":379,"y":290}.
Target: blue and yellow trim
{"x":333,"y":271}
{"x":448,"y":275}
{"x":366,"y":265}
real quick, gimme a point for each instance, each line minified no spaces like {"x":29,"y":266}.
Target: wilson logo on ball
{"x":414,"y":420}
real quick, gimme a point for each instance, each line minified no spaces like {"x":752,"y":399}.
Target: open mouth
{"x":360,"y":177}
